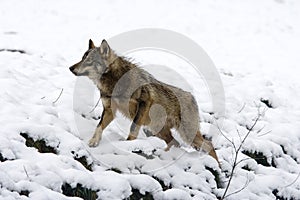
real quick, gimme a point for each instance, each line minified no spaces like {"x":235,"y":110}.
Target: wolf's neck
{"x":121,"y":64}
{"x":116,"y":70}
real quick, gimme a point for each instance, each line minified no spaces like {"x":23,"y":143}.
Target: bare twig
{"x":95,"y":105}
{"x":14,"y":50}
{"x":242,"y":108}
{"x":235,"y":162}
{"x":237,"y":191}
{"x":260,"y":129}
{"x":239,"y":162}
{"x":250,"y":130}
{"x":58,"y":96}
{"x":231,"y":142}
{"x":265,"y":133}
{"x":26,"y":172}
{"x":293,"y":181}
{"x":237,"y":130}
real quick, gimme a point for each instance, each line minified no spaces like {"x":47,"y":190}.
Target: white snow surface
{"x":255,"y":47}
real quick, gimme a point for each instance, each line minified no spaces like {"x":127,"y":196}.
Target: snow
{"x":255,"y":47}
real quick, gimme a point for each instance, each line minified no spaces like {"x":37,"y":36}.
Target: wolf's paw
{"x":131,"y":137}
{"x":94,"y":142}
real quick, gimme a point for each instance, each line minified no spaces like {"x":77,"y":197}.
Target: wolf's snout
{"x":72,"y":69}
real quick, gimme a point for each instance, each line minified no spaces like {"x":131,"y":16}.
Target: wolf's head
{"x":94,"y":62}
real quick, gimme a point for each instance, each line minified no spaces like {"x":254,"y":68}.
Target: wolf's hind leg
{"x":200,"y":143}
{"x":106,"y":118}
{"x":166,"y":135}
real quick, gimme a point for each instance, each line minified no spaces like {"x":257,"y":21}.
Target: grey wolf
{"x":126,"y":87}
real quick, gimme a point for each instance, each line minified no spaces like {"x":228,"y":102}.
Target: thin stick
{"x":95,"y":105}
{"x":223,"y":133}
{"x":265,"y":133}
{"x":237,"y":130}
{"x":26,"y":172}
{"x":236,"y":156}
{"x":242,"y":108}
{"x":58,"y":96}
{"x":237,"y":191}
{"x":293,"y":181}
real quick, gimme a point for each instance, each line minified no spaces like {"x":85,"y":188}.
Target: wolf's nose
{"x":71,"y":68}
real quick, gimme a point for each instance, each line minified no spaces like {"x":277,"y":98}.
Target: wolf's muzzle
{"x":72,"y":70}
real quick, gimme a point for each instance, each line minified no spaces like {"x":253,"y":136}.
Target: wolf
{"x":126,"y":87}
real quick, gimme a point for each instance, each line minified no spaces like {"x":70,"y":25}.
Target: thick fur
{"x":140,"y":97}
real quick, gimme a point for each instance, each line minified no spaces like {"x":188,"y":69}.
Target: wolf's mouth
{"x":73,"y":72}
{"x":86,"y":73}
{"x":80,"y":74}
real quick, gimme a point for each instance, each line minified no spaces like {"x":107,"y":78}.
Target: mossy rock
{"x":39,"y":144}
{"x":79,"y":191}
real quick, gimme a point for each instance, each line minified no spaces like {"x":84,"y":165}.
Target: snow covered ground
{"x":255,"y":47}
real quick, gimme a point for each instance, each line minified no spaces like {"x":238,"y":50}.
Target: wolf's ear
{"x":91,"y":44}
{"x":104,"y":48}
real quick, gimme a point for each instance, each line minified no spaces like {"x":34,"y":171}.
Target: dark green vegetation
{"x":267,"y":102}
{"x":216,"y":175}
{"x":83,"y":161}
{"x":87,"y":193}
{"x":259,"y":157}
{"x":79,"y":191}
{"x":42,"y":147}
{"x":2,"y":159}
{"x":136,"y":195}
{"x":24,"y":193}
{"x":278,"y":197}
{"x":39,"y":144}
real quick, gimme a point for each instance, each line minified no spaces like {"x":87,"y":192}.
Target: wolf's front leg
{"x":134,"y":131}
{"x":106,"y":118}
